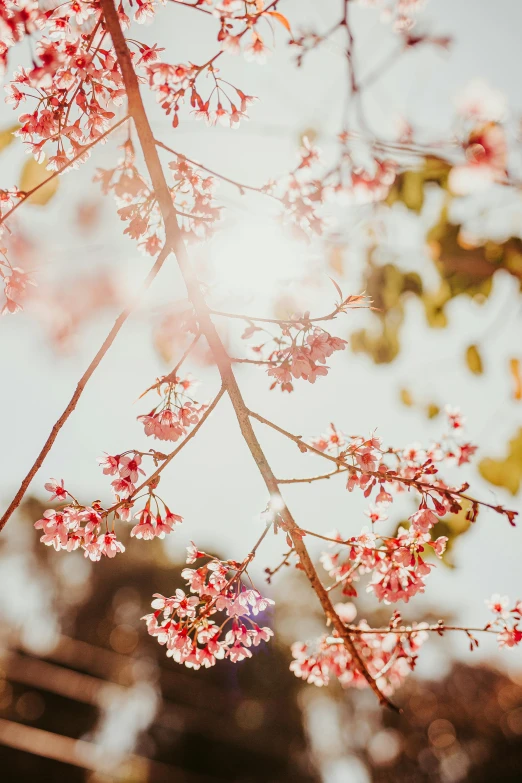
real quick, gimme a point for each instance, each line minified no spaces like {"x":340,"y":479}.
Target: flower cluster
{"x":396,"y":563}
{"x":76,"y":526}
{"x":17,"y":19}
{"x":369,"y":468}
{"x":506,"y":621}
{"x":15,"y":282}
{"x":137,"y":203}
{"x":77,"y":82}
{"x":300,"y":350}
{"x":350,"y":182}
{"x":193,"y":193}
{"x":389,"y":657}
{"x":183,"y":622}
{"x":302,"y":193}
{"x":126,"y":468}
{"x":177,"y":411}
{"x":174,"y":83}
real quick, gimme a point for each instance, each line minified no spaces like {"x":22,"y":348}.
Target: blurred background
{"x":85,"y":694}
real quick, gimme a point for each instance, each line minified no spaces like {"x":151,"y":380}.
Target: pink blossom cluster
{"x":173,"y":84}
{"x":305,"y":357}
{"x":177,"y":412}
{"x":302,"y":193}
{"x":137,"y":203}
{"x":15,"y":282}
{"x":17,"y":19}
{"x":126,"y":468}
{"x":152,"y":525}
{"x":370,"y":467}
{"x":396,"y":563}
{"x":76,"y":526}
{"x":300,"y":350}
{"x":183,"y":622}
{"x":77,"y":80}
{"x":506,"y":621}
{"x":349,"y":182}
{"x":389,"y":657}
{"x":194,"y":194}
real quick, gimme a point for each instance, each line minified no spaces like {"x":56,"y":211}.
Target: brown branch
{"x":239,"y":185}
{"x":421,"y":486}
{"x":439,"y":628}
{"x":221,"y":357}
{"x":81,"y":386}
{"x":170,"y":456}
{"x":28,"y":193}
{"x":313,"y":478}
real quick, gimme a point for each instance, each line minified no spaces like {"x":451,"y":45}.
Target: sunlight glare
{"x":257,"y":257}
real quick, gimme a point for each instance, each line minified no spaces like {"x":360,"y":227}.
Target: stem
{"x":85,"y":149}
{"x":221,"y":357}
{"x":421,"y":486}
{"x":81,"y":386}
{"x":239,"y":185}
{"x":312,"y":478}
{"x":172,"y":454}
{"x":409,"y":631}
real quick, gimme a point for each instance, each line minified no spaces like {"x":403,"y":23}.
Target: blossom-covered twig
{"x":71,"y":405}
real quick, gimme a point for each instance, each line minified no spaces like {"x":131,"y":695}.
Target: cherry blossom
{"x":183,"y":623}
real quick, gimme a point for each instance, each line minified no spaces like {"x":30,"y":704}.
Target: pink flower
{"x":144,"y":529}
{"x":108,"y":545}
{"x":123,"y":487}
{"x":256,"y":50}
{"x":376,"y":514}
{"x":129,"y":467}
{"x":57,"y":489}
{"x":238,"y":653}
{"x":193,"y":553}
{"x":439,"y":545}
{"x":498,"y":605}
{"x":423,"y":520}
{"x":110,"y":464}
{"x":455,"y":418}
{"x":167,"y":525}
{"x":509,"y":637}
{"x":346,"y":611}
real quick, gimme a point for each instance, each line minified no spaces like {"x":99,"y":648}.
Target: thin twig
{"x":422,"y":486}
{"x":81,"y":386}
{"x":171,"y":456}
{"x":239,"y":185}
{"x":28,"y":193}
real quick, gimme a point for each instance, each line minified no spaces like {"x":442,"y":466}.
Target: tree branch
{"x":81,"y":386}
{"x":174,"y":238}
{"x":170,"y":456}
{"x":85,"y":149}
